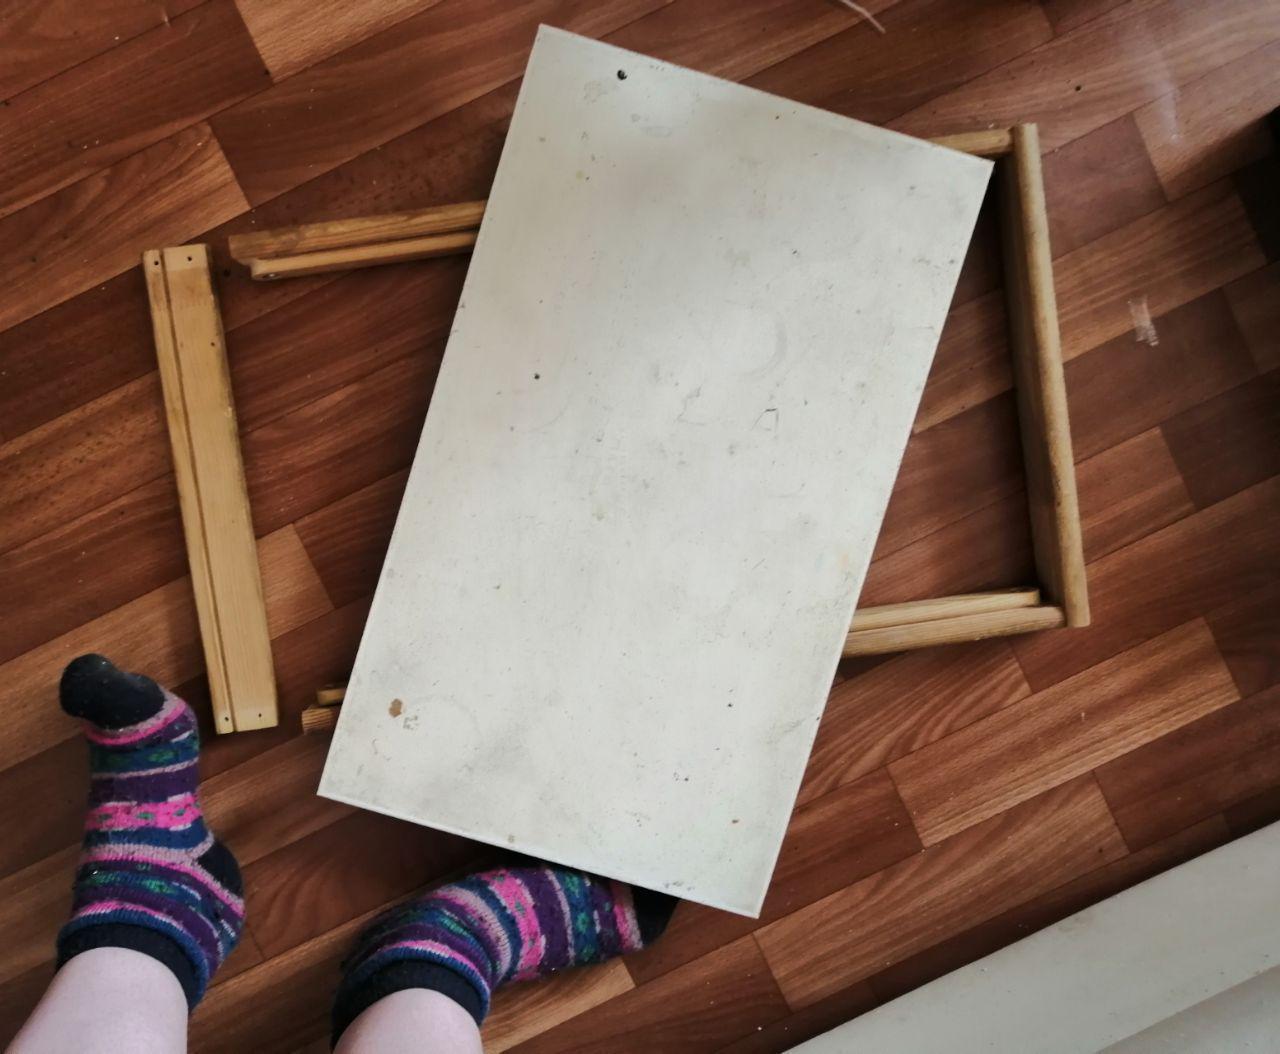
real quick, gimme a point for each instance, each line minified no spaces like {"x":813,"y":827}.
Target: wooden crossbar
{"x":225,"y":577}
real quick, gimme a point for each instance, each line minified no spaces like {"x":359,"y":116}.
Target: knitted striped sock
{"x":151,"y":876}
{"x":470,"y":937}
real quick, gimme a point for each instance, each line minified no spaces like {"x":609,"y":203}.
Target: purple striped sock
{"x":151,"y":876}
{"x":470,"y":937}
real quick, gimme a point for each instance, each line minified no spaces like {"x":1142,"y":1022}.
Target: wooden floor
{"x":958,"y":798}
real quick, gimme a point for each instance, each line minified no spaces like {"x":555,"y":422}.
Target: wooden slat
{"x":401,"y":251}
{"x":225,"y":577}
{"x":100,"y":112}
{"x":372,"y":241}
{"x":318,"y":719}
{"x":944,"y":890}
{"x":1195,"y":772}
{"x":1060,"y":733}
{"x":1042,"y":393}
{"x":361,"y":230}
{"x":1212,"y":126}
{"x":916,"y":611}
{"x":1154,"y":584}
{"x":369,"y":241}
{"x":994,"y":142}
{"x":953,"y":630}
{"x":319,"y":650}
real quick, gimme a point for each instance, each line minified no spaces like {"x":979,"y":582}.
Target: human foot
{"x":151,"y":876}
{"x":468,"y":938}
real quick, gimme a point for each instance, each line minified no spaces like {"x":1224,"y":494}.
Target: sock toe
{"x":222,"y":865}
{"x":653,"y":912}
{"x":94,"y":689}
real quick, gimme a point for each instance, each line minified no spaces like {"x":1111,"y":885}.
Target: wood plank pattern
{"x":1098,"y":183}
{"x":1186,"y":38}
{"x":45,"y":37}
{"x":290,"y":36}
{"x":1255,"y":302}
{"x":945,"y":44}
{"x":273,"y":143}
{"x":1150,"y":586}
{"x":1028,"y":850}
{"x":905,"y":704}
{"x":155,"y":632}
{"x":954,"y":801}
{"x":1196,"y":771}
{"x":1210,"y":127}
{"x":159,"y":196}
{"x":1129,"y":490}
{"x":1048,"y":908}
{"x":723,"y":996}
{"x":1230,"y":442}
{"x":1057,"y":734}
{"x":160,"y":83}
{"x":854,"y":831}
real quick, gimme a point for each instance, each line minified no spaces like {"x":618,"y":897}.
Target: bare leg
{"x":412,"y":1021}
{"x":108,"y":1000}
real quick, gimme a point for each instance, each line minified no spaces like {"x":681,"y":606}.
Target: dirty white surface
{"x":688,"y":354}
{"x":1187,"y":962}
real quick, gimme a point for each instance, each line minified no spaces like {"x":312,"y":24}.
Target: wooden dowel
{"x":987,"y":142}
{"x":291,"y":252}
{"x":952,"y":630}
{"x":225,"y":578}
{"x":1036,"y":350}
{"x":361,"y":230}
{"x":362,"y":256}
{"x":320,"y":718}
{"x":915,"y":611}
{"x":331,"y":696}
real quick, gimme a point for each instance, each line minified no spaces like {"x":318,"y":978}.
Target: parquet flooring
{"x":957,"y":799}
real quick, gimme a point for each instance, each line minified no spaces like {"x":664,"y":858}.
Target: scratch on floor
{"x":1144,"y":329}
